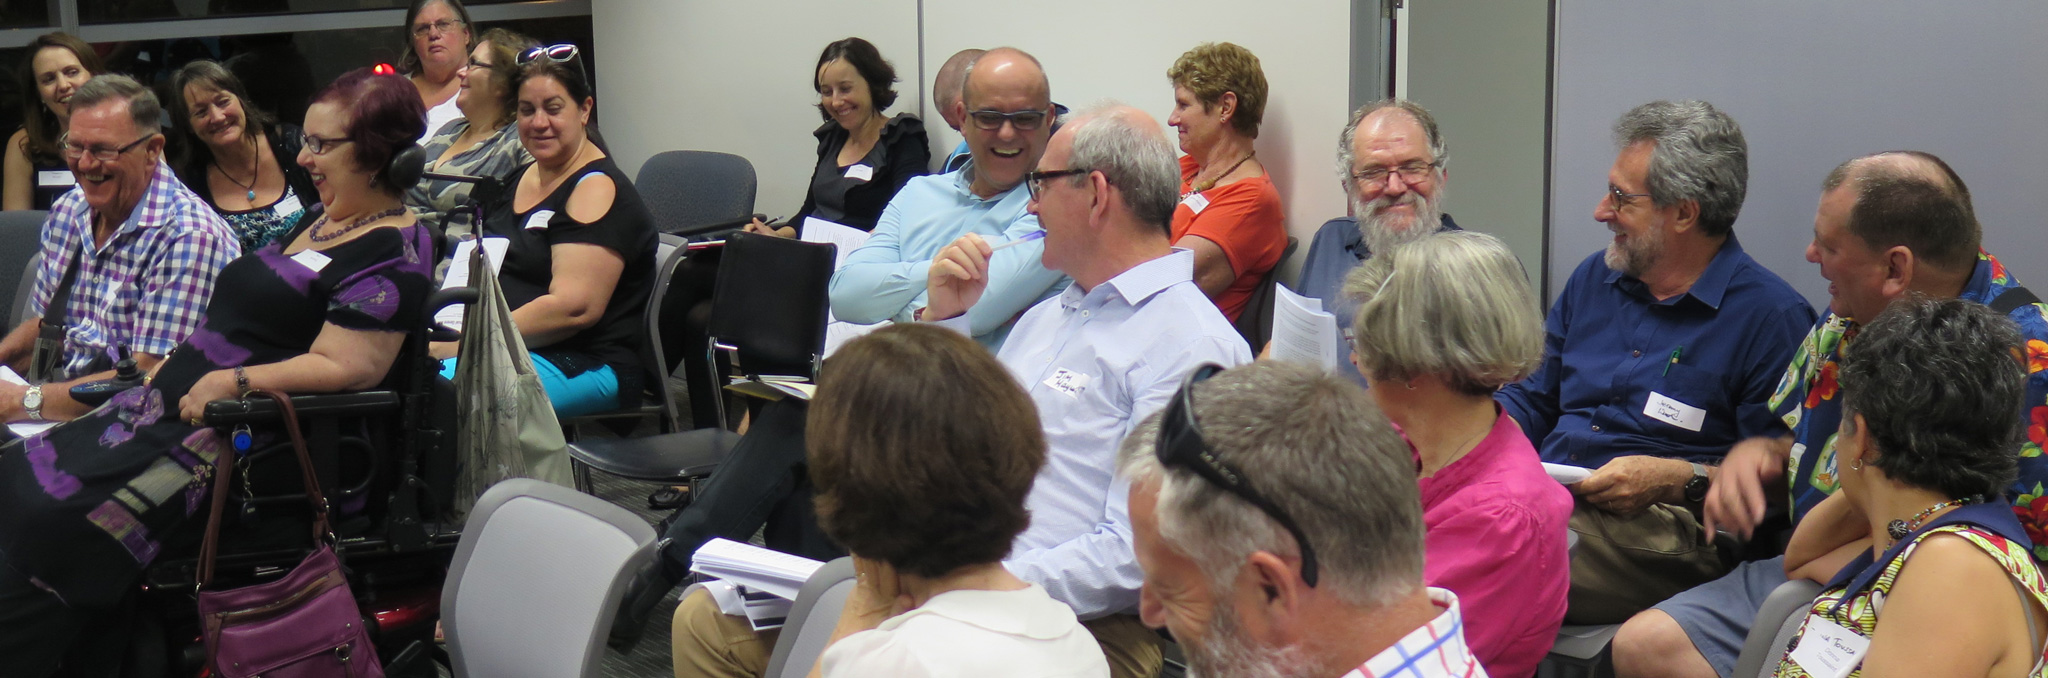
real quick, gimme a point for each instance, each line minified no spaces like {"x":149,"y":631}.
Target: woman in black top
{"x":863,"y":157}
{"x":58,"y":64}
{"x":581,"y":257}
{"x":244,"y":162}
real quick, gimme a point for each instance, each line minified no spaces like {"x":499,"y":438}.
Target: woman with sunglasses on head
{"x":1442,"y":323}
{"x":1229,"y":212}
{"x":580,"y":260}
{"x":864,"y":157}
{"x":245,"y":162}
{"x":87,"y":506}
{"x":58,"y":63}
{"x":437,"y":45}
{"x":481,"y":143}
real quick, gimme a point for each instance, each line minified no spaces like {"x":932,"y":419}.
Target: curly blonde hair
{"x":1212,"y":68}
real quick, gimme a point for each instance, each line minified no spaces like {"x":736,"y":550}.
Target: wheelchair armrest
{"x":257,"y":410}
{"x":443,"y":299}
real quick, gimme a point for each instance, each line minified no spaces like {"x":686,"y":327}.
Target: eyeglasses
{"x":442,"y":26}
{"x":1180,"y":446}
{"x":76,"y":151}
{"x":1035,"y":181}
{"x":555,"y":53}
{"x":1024,"y":120}
{"x":1622,"y":199}
{"x":477,"y":65}
{"x":319,"y":146}
{"x":1411,"y":173}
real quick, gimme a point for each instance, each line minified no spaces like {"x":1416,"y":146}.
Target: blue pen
{"x":1028,"y":237}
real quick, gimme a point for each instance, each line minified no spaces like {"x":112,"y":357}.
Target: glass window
{"x":27,"y":13}
{"x":125,"y":11}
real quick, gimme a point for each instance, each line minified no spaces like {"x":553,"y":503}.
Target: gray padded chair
{"x":17,"y":309}
{"x":537,"y":579}
{"x":811,"y":620}
{"x":697,"y":191}
{"x":1776,"y":622}
{"x":1580,"y":650}
{"x":20,"y":241}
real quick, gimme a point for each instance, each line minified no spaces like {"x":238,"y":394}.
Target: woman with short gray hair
{"x":1442,"y":323}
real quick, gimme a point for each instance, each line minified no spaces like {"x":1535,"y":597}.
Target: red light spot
{"x":383,"y":69}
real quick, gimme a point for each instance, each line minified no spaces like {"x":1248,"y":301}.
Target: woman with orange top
{"x":1229,"y":211}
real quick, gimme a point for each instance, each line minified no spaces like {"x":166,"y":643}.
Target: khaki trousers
{"x":1625,"y":564}
{"x":712,"y":644}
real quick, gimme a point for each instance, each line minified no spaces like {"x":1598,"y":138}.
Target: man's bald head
{"x":1005,"y":70}
{"x":1914,"y":199}
{"x":946,"y":87}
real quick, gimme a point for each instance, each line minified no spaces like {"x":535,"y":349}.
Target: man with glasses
{"x":1006,"y":103}
{"x":128,"y":258}
{"x":1391,"y":161}
{"x":1661,"y":353}
{"x":1109,"y":350}
{"x":1276,"y":518}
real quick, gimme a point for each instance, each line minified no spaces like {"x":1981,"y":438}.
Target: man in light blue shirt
{"x":1008,"y":106}
{"x":1110,"y":350}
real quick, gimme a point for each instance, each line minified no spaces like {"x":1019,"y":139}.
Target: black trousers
{"x":42,"y":637}
{"x":762,"y":484}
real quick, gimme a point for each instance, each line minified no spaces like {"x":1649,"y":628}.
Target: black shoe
{"x":668,"y":499}
{"x":636,"y":608}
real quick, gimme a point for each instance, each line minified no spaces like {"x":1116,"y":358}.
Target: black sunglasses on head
{"x":1180,"y":445}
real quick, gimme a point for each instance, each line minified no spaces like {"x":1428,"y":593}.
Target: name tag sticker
{"x":287,"y":206}
{"x":312,"y":259}
{"x":1068,"y":382}
{"x":539,"y":220}
{"x":1662,"y":408}
{"x":1827,"y":650}
{"x":1196,"y":202}
{"x":49,"y":178}
{"x":860,"y":171}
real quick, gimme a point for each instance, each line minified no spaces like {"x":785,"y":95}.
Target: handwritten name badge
{"x":1662,"y":408}
{"x":1827,"y":650}
{"x":287,"y":206}
{"x":538,"y":221}
{"x":1196,"y":202}
{"x":861,"y":171}
{"x":1068,"y":382}
{"x":312,"y":259}
{"x":54,"y":178}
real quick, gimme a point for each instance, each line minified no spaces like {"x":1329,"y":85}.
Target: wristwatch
{"x":32,"y":402}
{"x":1696,"y":488}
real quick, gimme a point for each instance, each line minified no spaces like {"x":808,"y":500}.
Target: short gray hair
{"x":142,"y":104}
{"x":1134,"y":155}
{"x":1697,"y":154}
{"x":1317,"y":446}
{"x":1438,"y":152}
{"x":1455,"y":304}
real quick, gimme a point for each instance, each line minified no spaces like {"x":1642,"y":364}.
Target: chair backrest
{"x":692,"y":190}
{"x":771,"y":303}
{"x":537,"y":579}
{"x":20,"y":243}
{"x":811,"y":620}
{"x":1255,"y":322}
{"x":654,"y":354}
{"x":1777,"y":620}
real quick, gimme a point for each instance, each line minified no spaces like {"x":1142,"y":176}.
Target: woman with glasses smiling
{"x":481,"y":143}
{"x":437,"y":46}
{"x":864,"y":157}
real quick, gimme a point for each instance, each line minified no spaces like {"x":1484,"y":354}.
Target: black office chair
{"x":20,"y":247}
{"x":1255,"y":322}
{"x":692,"y":192}
{"x":655,"y":401}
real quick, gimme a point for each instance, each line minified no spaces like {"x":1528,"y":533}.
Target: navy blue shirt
{"x":1707,"y":359}
{"x":1337,"y":248}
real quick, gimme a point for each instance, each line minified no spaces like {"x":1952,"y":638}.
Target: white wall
{"x":733,"y":76}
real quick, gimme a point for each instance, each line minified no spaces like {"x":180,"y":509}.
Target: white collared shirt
{"x":1433,"y":650}
{"x":984,"y":634}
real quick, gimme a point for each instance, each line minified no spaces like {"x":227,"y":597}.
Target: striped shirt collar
{"x":1433,"y":650}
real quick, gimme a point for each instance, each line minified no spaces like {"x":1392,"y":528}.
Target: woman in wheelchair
{"x":1928,"y":571}
{"x":580,"y":262}
{"x":87,"y":505}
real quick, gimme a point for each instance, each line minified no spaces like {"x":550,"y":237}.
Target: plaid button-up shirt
{"x":1435,"y":650}
{"x":146,"y":287}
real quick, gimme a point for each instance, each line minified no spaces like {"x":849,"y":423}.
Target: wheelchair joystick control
{"x":127,"y":375}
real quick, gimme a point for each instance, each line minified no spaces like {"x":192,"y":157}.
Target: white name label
{"x":287,"y":206}
{"x":312,"y":259}
{"x":1662,"y":408}
{"x":860,"y":171}
{"x":50,"y":178}
{"x":1827,"y":650}
{"x":1068,"y":382}
{"x":1196,"y":202}
{"x":538,"y":221}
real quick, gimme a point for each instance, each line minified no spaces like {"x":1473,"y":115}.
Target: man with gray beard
{"x":1391,"y":161}
{"x":1275,"y":514}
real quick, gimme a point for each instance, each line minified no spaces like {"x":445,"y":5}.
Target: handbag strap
{"x":209,"y":547}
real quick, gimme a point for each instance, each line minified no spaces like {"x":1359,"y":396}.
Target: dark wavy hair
{"x":939,"y":483}
{"x":41,"y":141}
{"x":409,"y":61}
{"x":212,"y":75}
{"x":570,"y":74}
{"x":385,"y":118}
{"x":866,"y":60}
{"x":1940,"y":387}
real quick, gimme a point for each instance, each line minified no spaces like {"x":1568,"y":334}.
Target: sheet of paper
{"x":1566,"y":473}
{"x":764,"y":570}
{"x":1302,"y":331}
{"x":846,"y":237}
{"x":458,"y":274}
{"x":837,"y":333}
{"x":23,"y":429}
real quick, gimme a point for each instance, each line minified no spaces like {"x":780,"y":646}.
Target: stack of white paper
{"x":22,"y":429}
{"x":763,"y":611}
{"x":773,"y":387}
{"x":1302,"y":331}
{"x":458,"y":274}
{"x":848,"y":239}
{"x":1566,"y":474}
{"x":773,"y":572}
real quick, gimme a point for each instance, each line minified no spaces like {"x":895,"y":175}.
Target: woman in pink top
{"x":1441,"y":324}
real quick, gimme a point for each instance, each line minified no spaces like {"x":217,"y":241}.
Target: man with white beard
{"x":1275,"y":514}
{"x":1391,"y":161}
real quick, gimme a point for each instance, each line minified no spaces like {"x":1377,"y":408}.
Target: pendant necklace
{"x":255,"y":162}
{"x":1898,"y":529}
{"x":1200,"y":186}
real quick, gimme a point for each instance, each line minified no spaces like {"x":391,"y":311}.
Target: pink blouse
{"x":1496,"y":537}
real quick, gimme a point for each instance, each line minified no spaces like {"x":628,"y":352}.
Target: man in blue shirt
{"x":1391,"y":160}
{"x":1889,"y":225}
{"x":1008,"y":109}
{"x":1662,"y":352}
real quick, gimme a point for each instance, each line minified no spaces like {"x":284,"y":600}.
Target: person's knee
{"x":709,"y":642}
{"x":1652,"y":645}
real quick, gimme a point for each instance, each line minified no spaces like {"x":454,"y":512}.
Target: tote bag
{"x":507,"y":426}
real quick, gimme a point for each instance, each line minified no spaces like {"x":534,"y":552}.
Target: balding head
{"x":1005,"y":71}
{"x":1911,"y":199}
{"x":1007,"y":88}
{"x":946,"y":87}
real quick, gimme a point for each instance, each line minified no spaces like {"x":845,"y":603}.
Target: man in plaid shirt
{"x":147,"y":251}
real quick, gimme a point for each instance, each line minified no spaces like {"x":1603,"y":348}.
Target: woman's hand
{"x":216,"y":385}
{"x":443,"y":350}
{"x":756,"y":225}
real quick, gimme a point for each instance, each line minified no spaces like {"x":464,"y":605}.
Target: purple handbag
{"x":305,"y":625}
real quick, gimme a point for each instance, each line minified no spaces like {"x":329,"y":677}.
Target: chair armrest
{"x":442,"y":299}
{"x":254,"y":410}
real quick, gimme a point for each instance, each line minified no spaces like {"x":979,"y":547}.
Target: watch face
{"x":33,"y":399}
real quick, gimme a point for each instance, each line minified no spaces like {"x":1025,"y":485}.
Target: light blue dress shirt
{"x":1097,"y":362}
{"x":885,"y":278}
